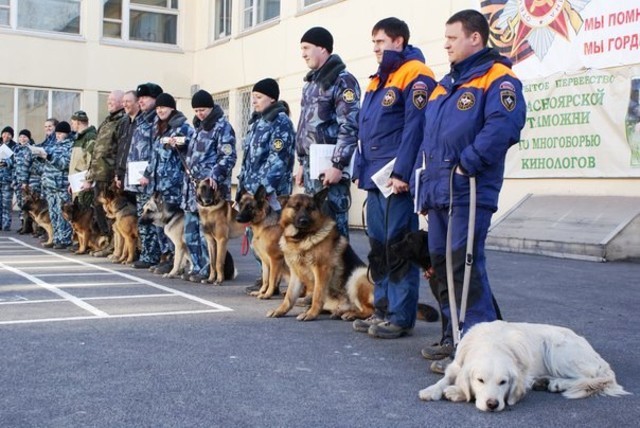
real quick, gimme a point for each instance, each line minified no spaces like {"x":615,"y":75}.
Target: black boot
{"x":27,"y":226}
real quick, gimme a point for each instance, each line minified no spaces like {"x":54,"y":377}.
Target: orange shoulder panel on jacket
{"x":495,"y":72}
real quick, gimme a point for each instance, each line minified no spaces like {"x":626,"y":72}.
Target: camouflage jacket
{"x":212,"y":153}
{"x":141,"y":139}
{"x":23,"y":159}
{"x":165,"y":171}
{"x":103,"y":161}
{"x":6,"y":165}
{"x":268,"y":152}
{"x":82,"y":150}
{"x":37,"y":164}
{"x":55,"y":174}
{"x":329,"y":112}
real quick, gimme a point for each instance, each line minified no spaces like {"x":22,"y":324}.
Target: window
{"x":5,"y":12}
{"x":28,"y":108}
{"x":307,"y":3}
{"x":244,"y":112}
{"x":222,"y":99}
{"x":258,"y":11}
{"x":37,"y":15}
{"x":154,"y":21}
{"x":222,"y":19}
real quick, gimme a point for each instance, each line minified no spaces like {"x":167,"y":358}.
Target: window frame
{"x":125,"y":22}
{"x":214,"y":36}
{"x":255,"y":13}
{"x":12,"y":25}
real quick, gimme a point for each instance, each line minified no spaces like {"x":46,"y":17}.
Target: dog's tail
{"x":427,"y":313}
{"x":604,"y":385}
{"x":360,"y":289}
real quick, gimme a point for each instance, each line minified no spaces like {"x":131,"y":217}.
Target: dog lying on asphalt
{"x":496,"y":363}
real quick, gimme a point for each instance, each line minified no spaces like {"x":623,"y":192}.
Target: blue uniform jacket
{"x":473,"y":116}
{"x":392,"y":116}
{"x":268,"y":152}
{"x":7,"y":165}
{"x":55,"y":175}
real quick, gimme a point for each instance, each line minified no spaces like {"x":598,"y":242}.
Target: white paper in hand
{"x":381,"y":178}
{"x":5,"y":152}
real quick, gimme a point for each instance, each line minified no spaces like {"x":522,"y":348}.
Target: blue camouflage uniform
{"x":391,"y":127}
{"x":6,"y":185}
{"x":268,"y":152}
{"x":55,"y":184}
{"x":473,"y":116}
{"x":23,"y":159}
{"x":212,"y":153}
{"x":140,"y":150}
{"x":165,"y":171}
{"x":37,"y":164}
{"x":329,"y":115}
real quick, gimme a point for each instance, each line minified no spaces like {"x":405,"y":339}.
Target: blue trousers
{"x":6,"y":200}
{"x":148,"y":234}
{"x":480,"y":303}
{"x":62,"y":231}
{"x":196,"y":244}
{"x":396,"y":281}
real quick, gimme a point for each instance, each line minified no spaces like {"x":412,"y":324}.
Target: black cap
{"x":202,"y":99}
{"x":63,"y":127}
{"x":26,"y":133}
{"x":319,"y":36}
{"x":80,"y":116}
{"x":269,"y":87}
{"x":7,"y":129}
{"x":166,"y":100}
{"x":149,"y":90}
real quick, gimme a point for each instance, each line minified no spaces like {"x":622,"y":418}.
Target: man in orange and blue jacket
{"x":391,"y":127}
{"x":473,"y":116}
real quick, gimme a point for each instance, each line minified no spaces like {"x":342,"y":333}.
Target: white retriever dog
{"x":498,"y":362}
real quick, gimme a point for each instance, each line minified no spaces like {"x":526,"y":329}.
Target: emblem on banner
{"x":521,"y":28}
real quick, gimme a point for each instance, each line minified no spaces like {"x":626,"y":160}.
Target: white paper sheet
{"x":135,"y":171}
{"x":381,"y":178}
{"x":5,"y":152}
{"x":77,"y":180}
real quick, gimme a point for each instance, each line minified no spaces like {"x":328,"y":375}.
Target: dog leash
{"x":458,"y":323}
{"x":187,"y":170}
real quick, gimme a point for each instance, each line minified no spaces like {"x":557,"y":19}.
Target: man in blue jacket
{"x":474,"y":115}
{"x":391,"y":128}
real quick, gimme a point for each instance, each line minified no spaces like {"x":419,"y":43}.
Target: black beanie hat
{"x":269,"y":87}
{"x":63,"y":127}
{"x":319,"y":36}
{"x":26,"y":133}
{"x":7,"y":129}
{"x":148,"y":89}
{"x":202,"y":99}
{"x":166,"y":100}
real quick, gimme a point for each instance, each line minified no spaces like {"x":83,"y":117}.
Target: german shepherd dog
{"x":122,"y":212}
{"x":219,"y":223}
{"x":37,"y":208}
{"x":322,"y":263}
{"x":171,"y":218}
{"x":264,"y":223}
{"x":83,"y":224}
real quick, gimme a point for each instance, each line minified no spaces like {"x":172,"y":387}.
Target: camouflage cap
{"x":80,"y":116}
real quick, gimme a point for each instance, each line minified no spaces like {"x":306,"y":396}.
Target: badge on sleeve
{"x":419,"y":90}
{"x":348,"y":96}
{"x":278,"y":144}
{"x":226,"y":149}
{"x":508,"y":95}
{"x":466,"y":101}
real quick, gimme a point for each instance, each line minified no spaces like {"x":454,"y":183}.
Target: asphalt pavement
{"x":85,"y":343}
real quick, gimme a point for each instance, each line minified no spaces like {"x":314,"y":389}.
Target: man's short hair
{"x":394,"y":28}
{"x":472,"y":21}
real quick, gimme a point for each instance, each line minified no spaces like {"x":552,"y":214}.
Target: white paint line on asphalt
{"x":133,"y":296}
{"x":43,"y":275}
{"x":150,"y":314}
{"x":73,"y":299}
{"x":93,"y":284}
{"x":130,"y":277}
